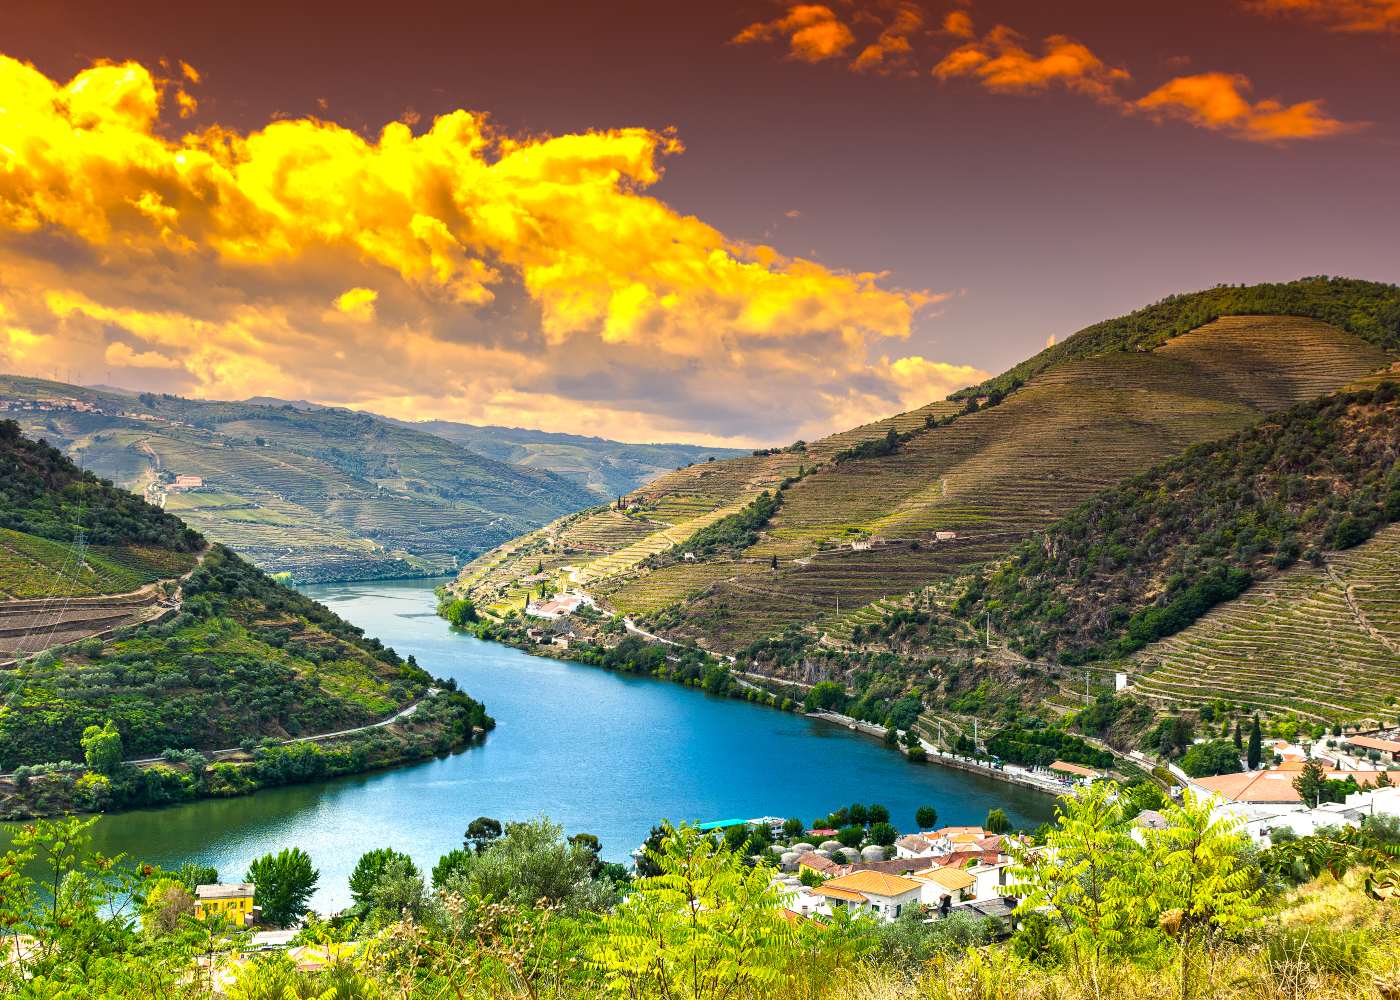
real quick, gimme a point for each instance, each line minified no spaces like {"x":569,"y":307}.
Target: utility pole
{"x":989,"y":630}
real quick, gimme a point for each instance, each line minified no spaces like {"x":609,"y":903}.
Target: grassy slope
{"x":996,"y":475}
{"x":245,"y":658}
{"x":327,"y":494}
{"x":1318,"y":641}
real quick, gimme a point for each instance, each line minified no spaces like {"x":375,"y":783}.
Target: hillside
{"x":959,"y":484}
{"x":1322,"y":642}
{"x":606,"y":468}
{"x":319,"y":493}
{"x":193,"y":649}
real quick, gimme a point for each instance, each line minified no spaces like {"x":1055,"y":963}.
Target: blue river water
{"x":595,"y":751}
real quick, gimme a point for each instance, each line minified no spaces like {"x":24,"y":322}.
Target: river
{"x":595,"y":751}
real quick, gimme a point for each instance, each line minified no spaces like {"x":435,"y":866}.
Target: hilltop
{"x":116,"y":614}
{"x":317,"y":492}
{"x":875,"y":513}
{"x":606,"y":468}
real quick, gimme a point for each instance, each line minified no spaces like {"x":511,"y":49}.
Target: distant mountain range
{"x":326,"y":493}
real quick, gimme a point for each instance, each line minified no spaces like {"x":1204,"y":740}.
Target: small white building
{"x":936,"y":883}
{"x":882,"y":896}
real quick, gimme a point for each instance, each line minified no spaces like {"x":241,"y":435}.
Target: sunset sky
{"x":734,"y":223}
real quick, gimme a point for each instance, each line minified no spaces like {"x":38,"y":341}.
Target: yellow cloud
{"x":813,"y":32}
{"x":1219,"y":101}
{"x":527,"y":274}
{"x":121,"y":355}
{"x":357,"y":303}
{"x":1002,"y":64}
{"x":1356,"y":16}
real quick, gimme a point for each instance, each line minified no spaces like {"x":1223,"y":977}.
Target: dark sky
{"x":1040,"y":209}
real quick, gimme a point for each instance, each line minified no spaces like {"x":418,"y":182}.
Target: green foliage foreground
{"x":1190,"y":911}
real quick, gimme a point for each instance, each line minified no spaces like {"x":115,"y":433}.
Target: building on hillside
{"x":186,"y":483}
{"x":1075,"y":774}
{"x":1273,"y":788}
{"x":881,"y":896}
{"x":916,"y":845}
{"x":231,"y":901}
{"x":944,"y":536}
{"x":560,"y":606}
{"x":941,"y":887}
{"x":1385,"y":749}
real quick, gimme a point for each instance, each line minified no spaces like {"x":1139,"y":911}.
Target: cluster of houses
{"x":1267,"y":801}
{"x":957,"y":869}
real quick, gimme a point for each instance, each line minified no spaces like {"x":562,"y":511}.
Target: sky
{"x":724,"y":223}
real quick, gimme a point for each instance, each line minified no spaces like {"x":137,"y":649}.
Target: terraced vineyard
{"x":994,"y":476}
{"x":322,"y":494}
{"x":862,"y":531}
{"x":1323,"y":643}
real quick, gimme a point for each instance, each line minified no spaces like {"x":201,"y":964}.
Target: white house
{"x":957,"y":884}
{"x":882,"y":896}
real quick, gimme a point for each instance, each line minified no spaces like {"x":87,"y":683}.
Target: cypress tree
{"x":1239,"y":740}
{"x":1256,"y":744}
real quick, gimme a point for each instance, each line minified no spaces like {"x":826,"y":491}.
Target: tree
{"x":891,"y":736}
{"x":1204,"y":885}
{"x":859,"y":815}
{"x":450,"y":864}
{"x":371,"y":869}
{"x":706,"y":928}
{"x":283,"y":885}
{"x":851,"y":836}
{"x":1256,"y":744}
{"x":793,"y":828}
{"x":1211,"y":757}
{"x":1092,"y":880}
{"x":481,"y":832}
{"x":877,"y":813}
{"x":825,"y":695}
{"x":996,"y":821}
{"x":461,"y":612}
{"x":531,"y":862}
{"x":1239,"y":739}
{"x":926,"y":817}
{"x":102,"y":748}
{"x":910,"y":739}
{"x":167,"y":903}
{"x":1311,"y":782}
{"x":883,"y":834}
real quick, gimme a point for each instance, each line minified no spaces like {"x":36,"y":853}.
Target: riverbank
{"x":445,"y":722}
{"x":1013,"y":773}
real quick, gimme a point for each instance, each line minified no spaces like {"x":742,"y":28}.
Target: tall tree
{"x":283,"y":885}
{"x":1311,"y":782}
{"x":102,"y":748}
{"x":1204,"y":886}
{"x":1256,"y":744}
{"x":370,"y":871}
{"x":926,"y":817}
{"x":997,"y":821}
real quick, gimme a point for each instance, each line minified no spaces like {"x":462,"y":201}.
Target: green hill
{"x":867,"y":517}
{"x":113,"y":611}
{"x":320,"y":493}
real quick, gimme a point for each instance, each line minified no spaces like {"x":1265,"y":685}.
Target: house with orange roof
{"x":1384,"y":749}
{"x":939,"y":883}
{"x":877,"y":894}
{"x":1270,"y":788}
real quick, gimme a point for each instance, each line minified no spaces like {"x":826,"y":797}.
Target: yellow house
{"x":233,"y":901}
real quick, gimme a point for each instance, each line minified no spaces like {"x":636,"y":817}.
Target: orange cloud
{"x":1359,"y":16}
{"x":813,"y":31}
{"x":958,"y":23}
{"x":1002,"y":64}
{"x":1219,"y":101}
{"x":892,"y":51}
{"x":484,"y":271}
